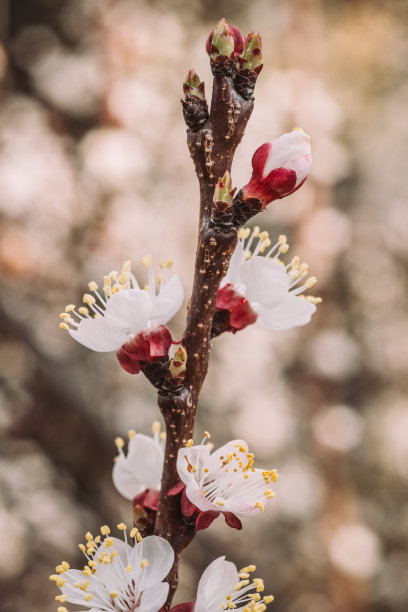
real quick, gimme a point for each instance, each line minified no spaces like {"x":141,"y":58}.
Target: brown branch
{"x":212,"y":148}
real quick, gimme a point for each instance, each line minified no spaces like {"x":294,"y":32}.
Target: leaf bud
{"x":192,"y":86}
{"x":237,"y":36}
{"x":178,"y":363}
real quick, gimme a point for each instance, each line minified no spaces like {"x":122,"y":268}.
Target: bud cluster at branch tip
{"x":249,"y":66}
{"x":195,"y":108}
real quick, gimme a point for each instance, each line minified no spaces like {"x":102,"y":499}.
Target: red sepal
{"x":149,"y":498}
{"x":159,"y":339}
{"x":176,"y":489}
{"x":259,"y":159}
{"x":242,"y":315}
{"x":279,"y":183}
{"x":228,"y":297}
{"x":183,"y":607}
{"x":127,"y":362}
{"x":204,"y":519}
{"x":187,"y":507}
{"x":232,"y":520}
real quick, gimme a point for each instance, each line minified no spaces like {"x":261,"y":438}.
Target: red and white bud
{"x":228,"y":40}
{"x":279,"y":167}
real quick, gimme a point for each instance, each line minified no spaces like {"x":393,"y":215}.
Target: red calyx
{"x":279,"y":183}
{"x":241,"y":312}
{"x":239,"y":41}
{"x":145,"y":346}
{"x":183,"y":607}
{"x":148,"y":499}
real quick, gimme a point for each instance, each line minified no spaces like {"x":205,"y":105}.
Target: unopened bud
{"x":223,"y":190}
{"x":238,"y":38}
{"x":251,"y":57}
{"x":192,"y":86}
{"x":178,"y":363}
{"x":222,"y":42}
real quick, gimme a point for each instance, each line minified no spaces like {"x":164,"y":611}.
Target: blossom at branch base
{"x":137,"y":475}
{"x":224,"y":481}
{"x":258,"y":286}
{"x":117,"y":576}
{"x":279,"y":167}
{"x":222,"y":587}
{"x":228,"y":40}
{"x":124,"y":318}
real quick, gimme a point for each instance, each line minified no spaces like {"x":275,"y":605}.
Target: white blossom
{"x":142,"y":467}
{"x":121,"y":310}
{"x":118,"y":577}
{"x":275,"y":291}
{"x":222,"y":587}
{"x":225,"y":480}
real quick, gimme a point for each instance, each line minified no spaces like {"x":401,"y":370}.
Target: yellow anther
{"x":83,"y":310}
{"x":144,"y":563}
{"x":268,"y":598}
{"x":122,"y":527}
{"x":82,"y":547}
{"x":156,"y":427}
{"x":274,"y":475}
{"x":87,"y":571}
{"x":62,"y":609}
{"x":105,"y":530}
{"x":207,"y":434}
{"x":119,"y":442}
{"x":258,"y":582}
{"x":92,"y":563}
{"x":65,"y":315}
{"x":92,"y":286}
{"x":61,"y":581}
{"x":270,"y":495}
{"x":284,"y":248}
{"x":246,"y":232}
{"x":310,"y":298}
{"x":113,"y":274}
{"x":147,"y":260}
{"x":231,"y":605}
{"x":59,"y":569}
{"x":69,"y":307}
{"x":85,"y":585}
{"x":88,"y":597}
{"x":259,"y":505}
{"x":251,"y":568}
{"x":131,"y":434}
{"x":88,"y":536}
{"x":88,"y":299}
{"x":223,"y":606}
{"x":108,"y":542}
{"x":61,"y":598}
{"x":282,"y":239}
{"x":146,"y":288}
{"x":113,"y":594}
{"x":206,"y":470}
{"x":163,"y":435}
{"x":129,"y":569}
{"x":64,"y":326}
{"x":139,"y":536}
{"x":241,"y":584}
{"x":263,"y":236}
{"x":194,"y":468}
{"x":54,"y":577}
{"x":310,"y":282}
{"x":295,"y":262}
{"x":133,"y":532}
{"x":255,"y":231}
{"x":248,"y":254}
{"x":255,"y":596}
{"x":169,"y":263}
{"x":189,"y":443}
{"x":220,"y":503}
{"x":161,"y":263}
{"x":244,"y":575}
{"x":241,"y":233}
{"x":261,"y":607}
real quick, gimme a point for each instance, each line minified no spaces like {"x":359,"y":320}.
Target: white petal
{"x":194,"y":494}
{"x":232,"y":275}
{"x":160,"y":555}
{"x":102,"y":334}
{"x":154,"y":597}
{"x":141,"y":469}
{"x":286,"y":152}
{"x":195,"y":455}
{"x":266,"y":281}
{"x":168,"y":302}
{"x":130,"y":306}
{"x":292,"y":312}
{"x":217,"y":581}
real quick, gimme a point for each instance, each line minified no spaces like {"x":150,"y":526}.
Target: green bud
{"x":178,"y":363}
{"x":222,"y":42}
{"x":223,"y":190}
{"x":192,"y":86}
{"x":252,"y":54}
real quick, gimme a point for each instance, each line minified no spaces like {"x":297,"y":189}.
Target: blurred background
{"x":94,"y":170}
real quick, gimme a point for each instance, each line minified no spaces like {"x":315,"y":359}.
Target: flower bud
{"x":192,"y":86}
{"x":216,"y":42}
{"x":178,"y":363}
{"x":279,"y":167}
{"x":251,"y":57}
{"x":223,"y":190}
